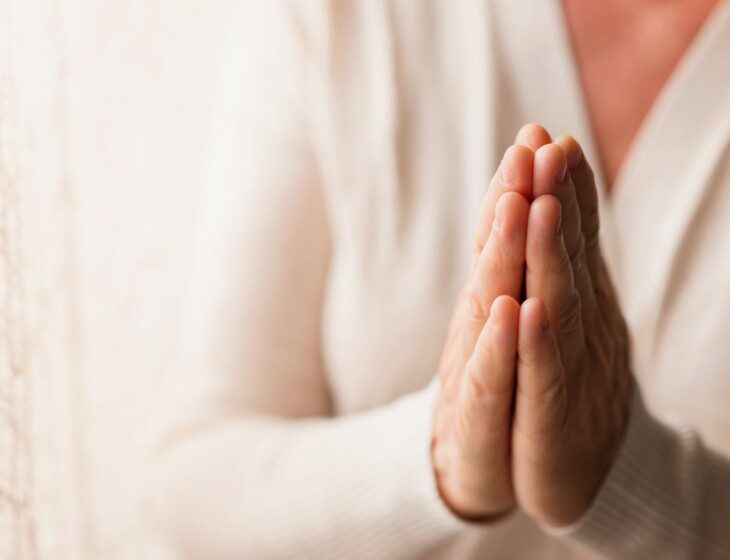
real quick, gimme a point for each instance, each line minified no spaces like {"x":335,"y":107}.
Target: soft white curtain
{"x":104,"y":110}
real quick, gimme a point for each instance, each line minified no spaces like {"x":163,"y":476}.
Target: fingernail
{"x":560,"y":176}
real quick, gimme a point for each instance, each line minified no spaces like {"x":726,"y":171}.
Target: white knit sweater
{"x":356,"y":141}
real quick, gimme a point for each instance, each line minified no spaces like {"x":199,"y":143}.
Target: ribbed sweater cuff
{"x":646,"y":503}
{"x":376,"y":495}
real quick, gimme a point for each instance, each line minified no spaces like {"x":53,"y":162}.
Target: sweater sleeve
{"x":359,"y":486}
{"x":248,"y":461}
{"x":666,"y":496}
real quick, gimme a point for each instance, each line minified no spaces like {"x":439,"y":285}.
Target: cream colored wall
{"x":104,"y":107}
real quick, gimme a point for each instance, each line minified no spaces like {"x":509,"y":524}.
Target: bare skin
{"x":638,"y":44}
{"x":542,"y":439}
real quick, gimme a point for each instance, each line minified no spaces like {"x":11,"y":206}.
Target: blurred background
{"x":104,"y":110}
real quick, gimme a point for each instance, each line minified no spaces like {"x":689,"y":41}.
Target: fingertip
{"x":516,"y":170}
{"x":512,"y":203}
{"x":546,"y":215}
{"x":572,"y":150}
{"x":534,"y":324}
{"x":552,"y":153}
{"x":544,"y":248}
{"x":503,"y":322}
{"x":514,"y":174}
{"x":533,"y":136}
{"x":552,"y":148}
{"x":518,"y":155}
{"x":533,"y":314}
{"x":550,"y":169}
{"x":511,"y":216}
{"x":540,"y":373}
{"x":505,"y":307}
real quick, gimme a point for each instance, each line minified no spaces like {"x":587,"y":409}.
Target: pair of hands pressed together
{"x":534,"y":396}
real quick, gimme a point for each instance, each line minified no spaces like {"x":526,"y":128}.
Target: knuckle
{"x":553,"y":400}
{"x":479,"y":242}
{"x":591,"y":242}
{"x":482,"y":349}
{"x":584,"y":286}
{"x":541,"y":358}
{"x":490,"y":383}
{"x":589,"y":307}
{"x":591,"y":227}
{"x":476,"y":389}
{"x":569,"y":201}
{"x":569,"y":318}
{"x":500,"y":258}
{"x":576,"y":252}
{"x":550,"y":408}
{"x":602,"y":291}
{"x":549,"y":356}
{"x":475,"y":305}
{"x":463,"y":423}
{"x":554,"y":390}
{"x":507,"y":176}
{"x":560,"y":418}
{"x":557,"y":263}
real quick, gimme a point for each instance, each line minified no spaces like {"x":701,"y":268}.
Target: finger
{"x":586,"y":195}
{"x":549,"y":276}
{"x":488,"y":384}
{"x":533,"y":136}
{"x":513,"y":175}
{"x":551,"y":177}
{"x":541,"y":401}
{"x":499,"y":270}
{"x":483,"y":411}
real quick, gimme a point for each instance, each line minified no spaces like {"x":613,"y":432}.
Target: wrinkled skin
{"x":534,"y":395}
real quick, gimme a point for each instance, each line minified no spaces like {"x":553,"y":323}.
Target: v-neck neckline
{"x":674,"y":91}
{"x":671,"y":88}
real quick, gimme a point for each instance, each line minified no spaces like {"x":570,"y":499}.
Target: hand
{"x":573,"y":377}
{"x":472,"y":429}
{"x":569,"y":345}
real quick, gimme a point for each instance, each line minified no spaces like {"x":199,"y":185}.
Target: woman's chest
{"x":638,"y":45}
{"x":408,"y":154}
